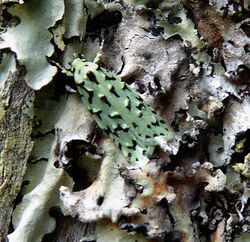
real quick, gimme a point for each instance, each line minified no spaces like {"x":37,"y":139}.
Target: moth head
{"x":82,"y":69}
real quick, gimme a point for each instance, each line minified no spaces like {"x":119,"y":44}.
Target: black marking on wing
{"x":105,"y":100}
{"x":124,"y":87}
{"x":126,"y":129}
{"x":90,"y":97}
{"x":129,"y":155}
{"x":111,"y":78}
{"x":140,"y":106}
{"x":133,"y":146}
{"x":119,"y":128}
{"x":140,"y":115}
{"x":128,"y":106}
{"x":134,"y":125}
{"x":116,"y":134}
{"x":91,"y":77}
{"x":116,"y":116}
{"x":156,"y":123}
{"x":97,"y":112}
{"x":90,"y":110}
{"x":112,"y":90}
{"x":82,"y":86}
{"x":139,"y":99}
{"x":108,"y":130}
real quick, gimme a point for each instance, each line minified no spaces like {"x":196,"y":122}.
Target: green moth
{"x":129,"y":121}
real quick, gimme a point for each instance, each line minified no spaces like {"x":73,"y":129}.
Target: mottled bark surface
{"x":15,"y":143}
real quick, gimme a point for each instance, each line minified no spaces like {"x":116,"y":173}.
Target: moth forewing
{"x":129,"y":121}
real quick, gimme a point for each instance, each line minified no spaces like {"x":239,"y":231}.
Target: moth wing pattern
{"x":127,"y":119}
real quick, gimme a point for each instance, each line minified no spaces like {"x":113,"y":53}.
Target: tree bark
{"x":15,"y":143}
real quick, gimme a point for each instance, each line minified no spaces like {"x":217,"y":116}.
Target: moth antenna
{"x":64,"y":70}
{"x":102,"y":45}
{"x":99,"y":56}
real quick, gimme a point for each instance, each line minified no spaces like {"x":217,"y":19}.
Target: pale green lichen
{"x":42,"y":192}
{"x":75,"y":18}
{"x":37,"y":35}
{"x":189,"y":34}
{"x":36,"y":205}
{"x":185,"y":29}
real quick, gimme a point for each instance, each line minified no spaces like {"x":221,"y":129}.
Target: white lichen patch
{"x":136,"y":188}
{"x":216,"y":182}
{"x":99,"y":201}
{"x":236,"y":49}
{"x":236,"y":121}
{"x":216,"y":179}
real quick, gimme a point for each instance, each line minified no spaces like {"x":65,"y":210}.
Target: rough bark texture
{"x":15,"y":143}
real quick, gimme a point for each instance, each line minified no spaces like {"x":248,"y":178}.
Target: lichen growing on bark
{"x":189,"y":60}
